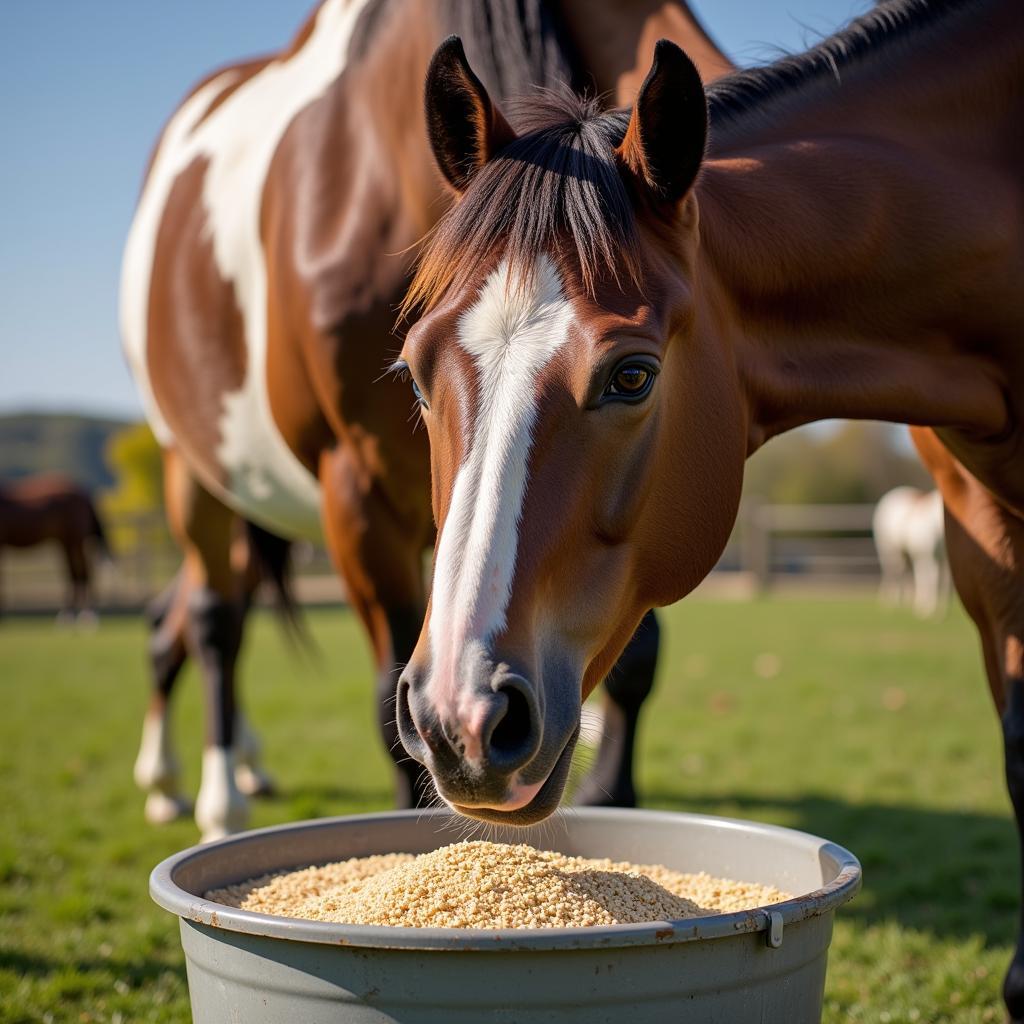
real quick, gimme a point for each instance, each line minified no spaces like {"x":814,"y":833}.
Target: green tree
{"x":134,"y":506}
{"x":856,"y":462}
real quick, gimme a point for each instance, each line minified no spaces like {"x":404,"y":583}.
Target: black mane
{"x":513,"y":45}
{"x":557,"y":184}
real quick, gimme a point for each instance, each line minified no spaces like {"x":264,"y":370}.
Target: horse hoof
{"x":162,"y":809}
{"x":251,"y":782}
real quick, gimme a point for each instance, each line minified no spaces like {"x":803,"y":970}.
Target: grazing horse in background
{"x":269,"y":250}
{"x":909,"y":533}
{"x":623,"y":305}
{"x":37,"y":509}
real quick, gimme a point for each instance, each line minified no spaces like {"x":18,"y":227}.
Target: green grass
{"x":828,"y":715}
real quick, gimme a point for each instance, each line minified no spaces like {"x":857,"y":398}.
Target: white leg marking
{"x":512,"y":332}
{"x":220,"y":808}
{"x":156,"y":763}
{"x":157,"y":771}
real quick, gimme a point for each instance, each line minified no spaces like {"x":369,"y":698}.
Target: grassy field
{"x":828,"y":715}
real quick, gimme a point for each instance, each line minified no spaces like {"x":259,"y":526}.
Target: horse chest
{"x":231,"y":436}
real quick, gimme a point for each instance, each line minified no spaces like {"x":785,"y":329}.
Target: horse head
{"x":586,"y":427}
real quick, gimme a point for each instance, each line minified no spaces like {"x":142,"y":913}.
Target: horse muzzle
{"x":489,"y":750}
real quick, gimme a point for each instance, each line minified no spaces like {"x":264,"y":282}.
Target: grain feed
{"x":492,"y":885}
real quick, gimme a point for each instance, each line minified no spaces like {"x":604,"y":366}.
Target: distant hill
{"x":57,"y":443}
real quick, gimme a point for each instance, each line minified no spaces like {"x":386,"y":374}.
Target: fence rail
{"x":771,"y":545}
{"x":821,"y":541}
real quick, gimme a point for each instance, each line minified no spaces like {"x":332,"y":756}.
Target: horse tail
{"x":272,"y":556}
{"x":96,"y":531}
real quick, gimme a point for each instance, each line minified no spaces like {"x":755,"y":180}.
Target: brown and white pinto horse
{"x":268,"y":253}
{"x":623,"y":305}
{"x":51,"y":507}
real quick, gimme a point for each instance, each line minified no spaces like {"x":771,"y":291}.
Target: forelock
{"x":556,"y":187}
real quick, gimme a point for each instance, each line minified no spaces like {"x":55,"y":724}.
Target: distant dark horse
{"x":52,"y":507}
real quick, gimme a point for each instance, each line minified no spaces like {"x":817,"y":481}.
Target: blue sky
{"x":84,"y":87}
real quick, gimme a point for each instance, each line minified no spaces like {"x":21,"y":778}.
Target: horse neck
{"x":387,"y":139}
{"x":514,"y":45}
{"x":842,"y":235}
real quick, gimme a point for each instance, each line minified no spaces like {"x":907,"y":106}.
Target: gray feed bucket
{"x":766,"y":966}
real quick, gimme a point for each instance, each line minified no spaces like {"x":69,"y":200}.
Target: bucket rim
{"x":190,"y":907}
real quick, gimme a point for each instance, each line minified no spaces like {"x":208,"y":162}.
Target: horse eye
{"x":401,"y":369}
{"x":418,"y":393}
{"x":631,"y":381}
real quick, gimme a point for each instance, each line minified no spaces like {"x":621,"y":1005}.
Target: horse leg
{"x":213,"y":632}
{"x":945,"y":584}
{"x":157,"y":770}
{"x":906,"y":591}
{"x":250,"y":775}
{"x":610,"y":780}
{"x":66,"y":615}
{"x":891,"y":586}
{"x":985,"y":544}
{"x":380,"y":559}
{"x":85,"y":617}
{"x":926,"y":584}
{"x":77,"y":602}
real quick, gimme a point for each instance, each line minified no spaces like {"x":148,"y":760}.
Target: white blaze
{"x":239,"y":140}
{"x":512,"y":331}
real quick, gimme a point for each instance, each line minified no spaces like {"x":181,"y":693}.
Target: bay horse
{"x":623,"y":305}
{"x":50,"y":507}
{"x":908,"y":529}
{"x":270,"y":247}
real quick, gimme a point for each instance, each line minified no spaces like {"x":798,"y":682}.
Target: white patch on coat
{"x":221,"y":807}
{"x":238,"y":139}
{"x":512,"y":332}
{"x":157,"y":771}
{"x":156,"y":766}
{"x":140,"y":247}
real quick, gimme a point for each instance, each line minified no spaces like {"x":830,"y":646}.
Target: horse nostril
{"x":403,"y":713}
{"x":407,"y":731}
{"x":513,"y":737}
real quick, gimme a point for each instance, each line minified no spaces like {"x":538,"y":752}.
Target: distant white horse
{"x":909,"y":537}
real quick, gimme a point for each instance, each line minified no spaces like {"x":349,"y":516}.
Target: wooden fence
{"x":772,"y":546}
{"x":820,"y":543}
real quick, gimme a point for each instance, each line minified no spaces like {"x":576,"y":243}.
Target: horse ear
{"x":466,"y":129}
{"x":664,"y":143}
